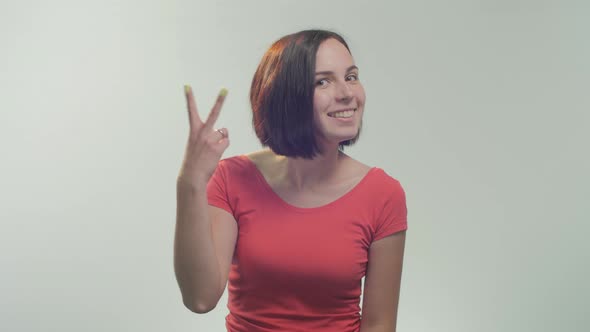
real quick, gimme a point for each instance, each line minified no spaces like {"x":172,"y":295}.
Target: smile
{"x":342,"y":113}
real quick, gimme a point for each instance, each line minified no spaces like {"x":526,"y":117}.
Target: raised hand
{"x":205,"y":145}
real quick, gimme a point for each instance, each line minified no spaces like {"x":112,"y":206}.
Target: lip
{"x":342,"y":110}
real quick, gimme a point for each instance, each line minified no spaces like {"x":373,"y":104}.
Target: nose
{"x":344,"y":92}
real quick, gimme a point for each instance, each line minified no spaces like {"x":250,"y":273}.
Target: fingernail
{"x":187,"y":88}
{"x":223,"y":92}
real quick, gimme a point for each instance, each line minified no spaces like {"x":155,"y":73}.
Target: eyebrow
{"x":328,"y":72}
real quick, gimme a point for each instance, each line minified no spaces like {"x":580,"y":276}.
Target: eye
{"x":322,"y":82}
{"x":352,"y":77}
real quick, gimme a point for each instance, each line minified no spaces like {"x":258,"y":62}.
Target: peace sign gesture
{"x":205,"y":145}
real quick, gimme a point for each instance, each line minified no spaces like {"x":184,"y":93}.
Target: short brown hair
{"x":282,"y":92}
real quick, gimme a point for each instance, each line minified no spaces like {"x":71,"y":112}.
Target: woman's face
{"x":339,"y":97}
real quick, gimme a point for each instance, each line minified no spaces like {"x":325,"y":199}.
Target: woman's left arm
{"x":382,"y":284}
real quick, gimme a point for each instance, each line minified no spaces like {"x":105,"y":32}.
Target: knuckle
{"x":210,"y":144}
{"x":194,"y":136}
{"x":200,"y":135}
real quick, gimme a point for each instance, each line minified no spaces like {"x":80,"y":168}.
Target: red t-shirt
{"x":300,"y":269}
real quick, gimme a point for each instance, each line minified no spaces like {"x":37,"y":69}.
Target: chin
{"x":341,"y":138}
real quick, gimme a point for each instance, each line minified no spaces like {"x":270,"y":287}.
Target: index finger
{"x":216,"y":109}
{"x":191,"y":105}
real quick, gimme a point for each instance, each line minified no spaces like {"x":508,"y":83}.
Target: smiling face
{"x":339,"y":97}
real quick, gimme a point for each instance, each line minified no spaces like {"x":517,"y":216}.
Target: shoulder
{"x":384,"y":181}
{"x":262,"y":157}
{"x":259,"y":156}
{"x":234,"y":166}
{"x":384,"y":188}
{"x":389,"y":204}
{"x":234,"y":161}
{"x":248,"y":164}
{"x":265,"y":162}
{"x":355,"y":169}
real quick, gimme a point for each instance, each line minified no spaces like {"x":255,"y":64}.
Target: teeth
{"x":342,"y":114}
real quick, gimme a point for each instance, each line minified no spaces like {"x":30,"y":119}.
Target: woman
{"x":294,"y":227}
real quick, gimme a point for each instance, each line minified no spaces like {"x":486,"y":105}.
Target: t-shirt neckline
{"x":282,"y":202}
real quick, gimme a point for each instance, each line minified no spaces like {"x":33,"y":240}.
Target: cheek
{"x":321,"y":103}
{"x":360,"y":95}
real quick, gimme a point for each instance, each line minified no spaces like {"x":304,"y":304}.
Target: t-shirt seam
{"x":262,"y":181}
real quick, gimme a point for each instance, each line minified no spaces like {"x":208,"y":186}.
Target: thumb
{"x":224,"y":143}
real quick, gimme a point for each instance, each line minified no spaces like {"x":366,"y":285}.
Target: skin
{"x":197,"y":263}
{"x":337,"y":88}
{"x":309,"y":183}
{"x":382,"y":284}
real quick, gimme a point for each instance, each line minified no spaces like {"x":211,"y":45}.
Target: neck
{"x":302,"y":174}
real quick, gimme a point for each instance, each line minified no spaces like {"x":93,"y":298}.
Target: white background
{"x":479,"y":108}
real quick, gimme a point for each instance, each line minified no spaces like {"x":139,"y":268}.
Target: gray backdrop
{"x":479,"y":108}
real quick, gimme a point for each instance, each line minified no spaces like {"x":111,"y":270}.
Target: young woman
{"x":296,"y":226}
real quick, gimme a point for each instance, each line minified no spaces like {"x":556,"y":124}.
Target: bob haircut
{"x":282,"y":93}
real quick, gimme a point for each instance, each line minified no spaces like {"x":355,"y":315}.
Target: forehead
{"x":332,"y":55}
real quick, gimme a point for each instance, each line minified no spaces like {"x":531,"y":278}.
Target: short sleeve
{"x":217,"y":188}
{"x":392,"y":215}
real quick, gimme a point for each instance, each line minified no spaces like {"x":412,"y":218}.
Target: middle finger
{"x":214,"y":114}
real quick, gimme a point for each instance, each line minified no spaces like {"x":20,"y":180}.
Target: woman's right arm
{"x":204,"y":244}
{"x":204,"y":236}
